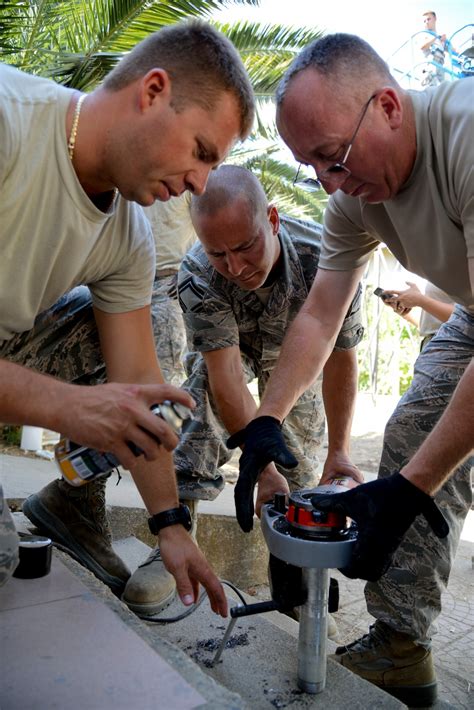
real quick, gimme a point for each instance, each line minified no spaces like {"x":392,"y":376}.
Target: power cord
{"x":172,"y":619}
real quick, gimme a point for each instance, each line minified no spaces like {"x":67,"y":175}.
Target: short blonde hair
{"x":201,"y":62}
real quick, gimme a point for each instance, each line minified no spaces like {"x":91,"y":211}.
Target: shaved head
{"x":237,"y":227}
{"x":225,"y":186}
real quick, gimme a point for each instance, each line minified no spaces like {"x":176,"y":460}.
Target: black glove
{"x":383,"y":510}
{"x":263,"y":442}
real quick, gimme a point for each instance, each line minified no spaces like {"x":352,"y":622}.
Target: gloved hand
{"x":383,"y":510}
{"x":263,"y":442}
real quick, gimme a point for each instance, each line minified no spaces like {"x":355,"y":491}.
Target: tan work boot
{"x":76,"y":518}
{"x":393,"y":662}
{"x":333,"y":631}
{"x":151,"y":588}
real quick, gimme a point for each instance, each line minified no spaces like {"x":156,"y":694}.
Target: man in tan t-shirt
{"x":72,"y":168}
{"x":398,"y":168}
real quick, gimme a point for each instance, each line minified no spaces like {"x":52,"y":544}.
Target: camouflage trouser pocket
{"x":201,"y":450}
{"x":408,"y":596}
{"x":63,"y":342}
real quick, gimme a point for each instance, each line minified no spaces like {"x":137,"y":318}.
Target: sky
{"x":384,"y":25}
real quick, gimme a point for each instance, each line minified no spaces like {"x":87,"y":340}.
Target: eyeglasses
{"x":337,"y":172}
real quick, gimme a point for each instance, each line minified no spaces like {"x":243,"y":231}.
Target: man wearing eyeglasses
{"x":398,"y":168}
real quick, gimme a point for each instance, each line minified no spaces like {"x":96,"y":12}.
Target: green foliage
{"x":11,"y":435}
{"x":267,"y":50}
{"x":388,"y":350}
{"x":77,"y":43}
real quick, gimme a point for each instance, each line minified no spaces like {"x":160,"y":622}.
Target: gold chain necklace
{"x":72,"y":139}
{"x":75,"y":122}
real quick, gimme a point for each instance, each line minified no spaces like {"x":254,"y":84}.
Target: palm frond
{"x":77,"y":42}
{"x":277,"y":178}
{"x":267,"y":50}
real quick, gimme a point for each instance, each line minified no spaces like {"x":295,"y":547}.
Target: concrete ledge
{"x":239,"y":557}
{"x":257,"y":671}
{"x":70,"y":642}
{"x":261,"y":661}
{"x":217,"y":696}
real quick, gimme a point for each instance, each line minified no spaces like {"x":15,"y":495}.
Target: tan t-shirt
{"x":52,"y":237}
{"x":429,"y":225}
{"x":172,"y":229}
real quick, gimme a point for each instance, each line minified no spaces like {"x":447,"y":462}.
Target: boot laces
{"x":374,"y":638}
{"x":154,"y":556}
{"x":94,"y":508}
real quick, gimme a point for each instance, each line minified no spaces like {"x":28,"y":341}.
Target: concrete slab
{"x":68,"y":642}
{"x":22,"y":476}
{"x":453,"y":645}
{"x":260,"y":663}
{"x":75,"y":652}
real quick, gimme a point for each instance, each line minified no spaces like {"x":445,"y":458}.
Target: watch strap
{"x":173,"y":516}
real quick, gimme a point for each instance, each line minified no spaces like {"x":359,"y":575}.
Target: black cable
{"x":234,"y":588}
{"x":192,"y":609}
{"x":172,"y":619}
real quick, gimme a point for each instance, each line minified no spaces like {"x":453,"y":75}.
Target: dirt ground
{"x":366,"y":451}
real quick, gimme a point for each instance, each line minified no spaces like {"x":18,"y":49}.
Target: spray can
{"x":80,"y":464}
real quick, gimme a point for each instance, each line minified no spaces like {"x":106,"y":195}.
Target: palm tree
{"x":77,"y":43}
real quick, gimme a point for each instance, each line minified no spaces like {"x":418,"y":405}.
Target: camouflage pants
{"x":408,"y":596}
{"x":64,"y":343}
{"x":202,"y":450}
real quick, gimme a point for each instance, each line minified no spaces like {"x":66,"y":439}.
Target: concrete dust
{"x":210,"y":646}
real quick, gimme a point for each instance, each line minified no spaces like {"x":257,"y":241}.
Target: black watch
{"x":173,"y":516}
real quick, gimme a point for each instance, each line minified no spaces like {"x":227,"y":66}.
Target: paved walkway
{"x":454,"y":642}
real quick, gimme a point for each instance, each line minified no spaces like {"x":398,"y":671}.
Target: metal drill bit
{"x":227,"y":634}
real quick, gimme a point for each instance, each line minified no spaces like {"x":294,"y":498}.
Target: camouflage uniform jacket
{"x":219,"y":314}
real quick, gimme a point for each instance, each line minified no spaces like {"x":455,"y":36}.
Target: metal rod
{"x":313,"y":631}
{"x":238,"y":611}
{"x":219,"y":651}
